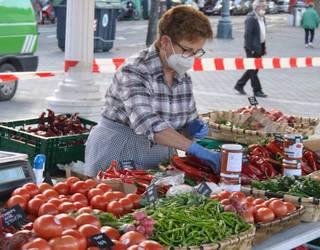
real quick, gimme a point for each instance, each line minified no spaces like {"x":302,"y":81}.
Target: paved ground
{"x":293,"y":91}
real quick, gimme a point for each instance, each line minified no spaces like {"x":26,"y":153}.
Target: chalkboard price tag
{"x":253,"y":100}
{"x":13,"y":216}
{"x":128,"y":164}
{"x":204,"y":189}
{"x":152,"y":194}
{"x":102,"y":241}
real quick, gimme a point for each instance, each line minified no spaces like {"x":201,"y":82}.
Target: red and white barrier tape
{"x":201,"y":64}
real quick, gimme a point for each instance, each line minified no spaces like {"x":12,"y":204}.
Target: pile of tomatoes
{"x":254,"y":210}
{"x":72,"y":195}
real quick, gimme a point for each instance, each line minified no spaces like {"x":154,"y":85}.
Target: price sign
{"x":129,"y":164}
{"x":253,"y":101}
{"x":13,"y":216}
{"x":204,"y":189}
{"x":102,"y":241}
{"x":152,"y":193}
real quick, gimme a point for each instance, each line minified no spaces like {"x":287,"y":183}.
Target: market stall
{"x":265,"y":197}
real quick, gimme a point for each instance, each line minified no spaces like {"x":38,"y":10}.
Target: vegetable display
{"x":191,"y":220}
{"x":298,"y":186}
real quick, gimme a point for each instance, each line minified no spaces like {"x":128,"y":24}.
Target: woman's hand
{"x":198,"y":129}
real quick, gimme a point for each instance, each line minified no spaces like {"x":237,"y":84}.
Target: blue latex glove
{"x":213,"y":158}
{"x":198,"y":129}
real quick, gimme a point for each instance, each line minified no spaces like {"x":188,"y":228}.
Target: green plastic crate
{"x":60,"y":149}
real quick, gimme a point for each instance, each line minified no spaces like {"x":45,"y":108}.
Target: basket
{"x":242,"y":241}
{"x":227,"y":126}
{"x":311,"y":205}
{"x":60,"y":149}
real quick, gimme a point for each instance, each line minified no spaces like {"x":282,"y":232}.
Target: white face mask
{"x":261,"y":12}
{"x":178,"y":63}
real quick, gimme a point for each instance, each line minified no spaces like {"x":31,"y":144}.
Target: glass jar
{"x":231,"y":159}
{"x":291,"y":167}
{"x":293,"y":147}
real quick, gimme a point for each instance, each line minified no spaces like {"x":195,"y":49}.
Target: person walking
{"x":309,"y":21}
{"x":254,"y":45}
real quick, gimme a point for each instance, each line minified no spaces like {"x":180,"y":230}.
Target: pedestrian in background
{"x":254,"y":45}
{"x":309,"y":21}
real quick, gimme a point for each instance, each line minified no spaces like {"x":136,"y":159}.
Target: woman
{"x":309,"y":21}
{"x":150,"y":109}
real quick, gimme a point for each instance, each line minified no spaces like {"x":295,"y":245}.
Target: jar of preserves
{"x":231,"y":159}
{"x":293,"y":147}
{"x":291,"y":167}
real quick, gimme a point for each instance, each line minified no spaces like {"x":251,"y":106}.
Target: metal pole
{"x":225,"y":25}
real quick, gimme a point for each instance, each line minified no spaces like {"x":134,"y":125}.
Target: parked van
{"x":18,"y":41}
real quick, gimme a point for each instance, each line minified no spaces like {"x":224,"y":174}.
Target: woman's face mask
{"x":179,"y":63}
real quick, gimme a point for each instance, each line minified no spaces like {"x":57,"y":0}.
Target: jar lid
{"x":290,"y":161}
{"x":292,"y":136}
{"x":231,"y":147}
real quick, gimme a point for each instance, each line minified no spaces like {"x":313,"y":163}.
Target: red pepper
{"x":275,"y":147}
{"x":268,"y":169}
{"x":256,"y":149}
{"x":310,"y":158}
{"x":306,"y":169}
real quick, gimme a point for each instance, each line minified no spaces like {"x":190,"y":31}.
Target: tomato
{"x":44,"y":186}
{"x":127,"y":204}
{"x":72,"y":180}
{"x":79,"y":205}
{"x":261,"y":205}
{"x":85,"y":210}
{"x":264,"y":215}
{"x":67,"y":221}
{"x":151,"y":245}
{"x":38,"y":244}
{"x":214,"y":197}
{"x":237,"y":196}
{"x":47,"y":226}
{"x":50,"y":193}
{"x":17,"y":200}
{"x":248,"y":217}
{"x":23,"y":192}
{"x":135,"y":198}
{"x":34,"y":205}
{"x":91,"y":183}
{"x":105,"y":187}
{"x":267,"y":202}
{"x":225,"y":202}
{"x":61,"y":188}
{"x":249,"y":200}
{"x":224,"y":195}
{"x":48,"y":208}
{"x":66,"y":242}
{"x":79,"y":197}
{"x":79,"y":187}
{"x":118,"y":245}
{"x":94,"y":248}
{"x":93,"y":192}
{"x":55,"y":201}
{"x":132,"y":238}
{"x":41,"y":197}
{"x":86,"y":218}
{"x":290,"y":207}
{"x":134,"y":247}
{"x":119,"y":195}
{"x":65,"y":200}
{"x":88,"y":230}
{"x":279,"y":208}
{"x":110,"y":196}
{"x":115,"y":208}
{"x":82,"y":241}
{"x":111,"y":232}
{"x":31,"y":217}
{"x":258,"y":201}
{"x":32,"y":188}
{"x":99,"y":202}
{"x":67,"y":207}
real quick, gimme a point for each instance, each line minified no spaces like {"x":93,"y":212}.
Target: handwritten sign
{"x":102,"y":241}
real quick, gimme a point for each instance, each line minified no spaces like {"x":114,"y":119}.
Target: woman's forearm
{"x":171,"y":138}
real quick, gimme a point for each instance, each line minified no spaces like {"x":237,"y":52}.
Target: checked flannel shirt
{"x":140,"y":98}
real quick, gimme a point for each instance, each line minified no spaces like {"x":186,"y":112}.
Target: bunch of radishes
{"x":142,"y":223}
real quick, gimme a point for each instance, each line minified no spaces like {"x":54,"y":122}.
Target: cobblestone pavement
{"x":294,"y":91}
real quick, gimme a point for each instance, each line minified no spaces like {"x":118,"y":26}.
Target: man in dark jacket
{"x":254,"y":45}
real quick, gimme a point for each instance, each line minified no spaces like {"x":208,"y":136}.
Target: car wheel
{"x":7,"y":89}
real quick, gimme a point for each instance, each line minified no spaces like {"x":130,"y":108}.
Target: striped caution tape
{"x":200,"y":64}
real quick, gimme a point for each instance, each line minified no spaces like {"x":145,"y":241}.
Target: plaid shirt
{"x":140,"y":98}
